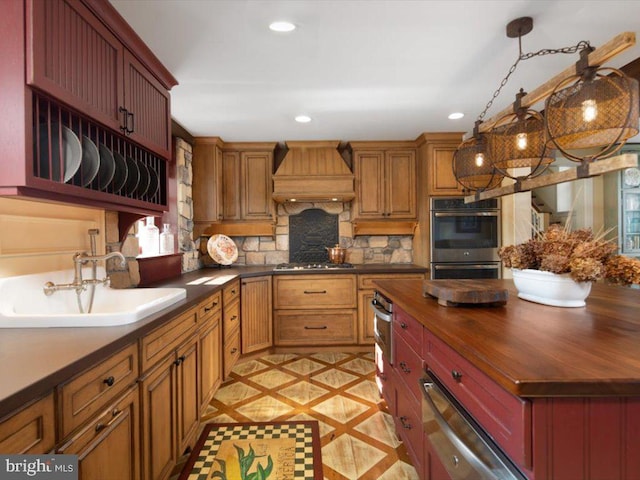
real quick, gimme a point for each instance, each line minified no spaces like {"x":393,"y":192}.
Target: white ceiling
{"x":362,"y":69}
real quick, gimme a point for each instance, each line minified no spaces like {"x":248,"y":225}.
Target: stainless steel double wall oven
{"x":465,"y":238}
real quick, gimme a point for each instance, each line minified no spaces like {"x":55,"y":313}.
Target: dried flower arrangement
{"x":579,"y":253}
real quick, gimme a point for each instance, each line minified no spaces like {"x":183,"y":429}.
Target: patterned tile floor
{"x":337,"y":389}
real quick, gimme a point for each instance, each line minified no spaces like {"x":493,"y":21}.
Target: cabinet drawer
{"x":366,"y":281}
{"x":163,"y":340}
{"x":409,"y":426}
{"x":231,"y":319}
{"x":408,"y":329}
{"x":31,"y":430}
{"x":507,"y":418}
{"x":315,"y":327}
{"x":231,"y":352}
{"x":84,"y":395}
{"x":409,"y":368}
{"x":315,"y":291}
{"x":231,"y":292}
{"x":209,"y":307}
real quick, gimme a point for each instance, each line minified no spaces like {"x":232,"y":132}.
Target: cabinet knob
{"x":233,"y":291}
{"x":404,"y":367}
{"x":405,"y":423}
{"x":457,"y":376}
{"x":109,"y":381}
{"x":233,"y":318}
{"x":234,"y":350}
{"x":403,"y":325}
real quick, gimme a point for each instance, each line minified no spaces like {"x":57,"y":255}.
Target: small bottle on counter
{"x":166,"y":240}
{"x":150,"y":238}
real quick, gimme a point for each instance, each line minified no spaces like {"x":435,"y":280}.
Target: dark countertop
{"x":35,"y":360}
{"x":535,"y":350}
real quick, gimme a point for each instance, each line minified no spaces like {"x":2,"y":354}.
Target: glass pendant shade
{"x":592,"y":117}
{"x":519,"y":141}
{"x":472,"y":166}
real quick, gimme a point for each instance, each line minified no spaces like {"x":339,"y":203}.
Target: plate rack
{"x":139,"y":175}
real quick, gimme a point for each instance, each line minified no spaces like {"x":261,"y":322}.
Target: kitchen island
{"x":558,"y":389}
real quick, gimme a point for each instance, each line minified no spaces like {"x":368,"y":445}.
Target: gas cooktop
{"x":312,"y":266}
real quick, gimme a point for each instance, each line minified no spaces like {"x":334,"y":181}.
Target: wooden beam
{"x":599,"y":56}
{"x":592,"y":169}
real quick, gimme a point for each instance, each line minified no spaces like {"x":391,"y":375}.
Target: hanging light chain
{"x":526,"y":56}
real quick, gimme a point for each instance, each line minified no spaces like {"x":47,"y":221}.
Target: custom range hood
{"x":313,"y":171}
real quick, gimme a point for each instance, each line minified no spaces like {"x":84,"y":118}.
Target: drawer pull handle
{"x":310,"y":292}
{"x":109,"y":381}
{"x":233,"y":318}
{"x":323,"y":327}
{"x":404,"y":367}
{"x":457,"y":376}
{"x":234,"y":350}
{"x":405,"y":424}
{"x":403,"y":325}
{"x":213,"y":305}
{"x":114,"y":415}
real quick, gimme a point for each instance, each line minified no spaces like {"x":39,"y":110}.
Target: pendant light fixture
{"x":590,"y":115}
{"x":472,"y":164}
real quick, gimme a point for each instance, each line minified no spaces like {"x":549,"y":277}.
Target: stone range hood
{"x":313,"y":171}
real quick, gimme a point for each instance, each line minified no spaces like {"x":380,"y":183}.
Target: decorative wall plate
{"x":222,"y":249}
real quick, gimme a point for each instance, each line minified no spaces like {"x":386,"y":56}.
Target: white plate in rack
{"x":222,"y":249}
{"x":71,"y":152}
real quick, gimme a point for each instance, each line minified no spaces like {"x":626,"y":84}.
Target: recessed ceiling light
{"x":282,"y":26}
{"x":456,"y":115}
{"x":303,"y":119}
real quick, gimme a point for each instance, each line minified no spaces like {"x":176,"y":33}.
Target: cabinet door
{"x":76,"y":59}
{"x":31,"y":430}
{"x":207,"y":183}
{"x":365,"y":318}
{"x":159,"y":423}
{"x":231,"y":185}
{"x":256,"y":316}
{"x":442,"y":180}
{"x":188,"y":395}
{"x":209,"y":361}
{"x":400,"y":175}
{"x":149,"y":107}
{"x":109,"y":447}
{"x":369,"y":173}
{"x":256,"y":185}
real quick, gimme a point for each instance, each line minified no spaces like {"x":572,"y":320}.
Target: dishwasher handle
{"x":380,"y":312}
{"x":430,"y":388}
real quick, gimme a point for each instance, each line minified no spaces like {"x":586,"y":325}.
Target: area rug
{"x":256,"y":451}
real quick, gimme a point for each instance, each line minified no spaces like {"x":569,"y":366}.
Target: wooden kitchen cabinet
{"x":109,"y":446}
{"x":31,"y":430}
{"x":76,"y":59}
{"x":385,"y":181}
{"x":209,"y":349}
{"x":315,"y":310}
{"x":231,"y":321}
{"x":207,"y":183}
{"x":436,"y":150}
{"x":257,"y":316}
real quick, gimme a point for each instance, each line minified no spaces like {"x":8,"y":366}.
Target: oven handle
{"x":380,"y":313}
{"x":465,"y":214}
{"x":458,"y":266}
{"x":462,"y":447}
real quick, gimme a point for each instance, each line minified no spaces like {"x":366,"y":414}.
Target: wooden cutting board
{"x":452,"y":293}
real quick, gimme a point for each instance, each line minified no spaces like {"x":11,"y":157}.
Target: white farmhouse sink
{"x":23,"y":303}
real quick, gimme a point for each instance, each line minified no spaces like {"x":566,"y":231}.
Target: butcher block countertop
{"x":534,"y":350}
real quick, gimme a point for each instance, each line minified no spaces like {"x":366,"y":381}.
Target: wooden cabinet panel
{"x":400,"y":175}
{"x":231,"y":352}
{"x":409,"y":426}
{"x":408,"y":329}
{"x":231,"y":185}
{"x":366,"y":281}
{"x":409,"y":368}
{"x":110,"y":445}
{"x":507,"y":418}
{"x":231,"y":321}
{"x":315,"y":327}
{"x":207,"y":184}
{"x":81,"y":397}
{"x":314,"y":291}
{"x":231,"y":292}
{"x":31,"y":430}
{"x":366,"y":330}
{"x":210,"y":307}
{"x":188,"y":412}
{"x":257,"y":185}
{"x":257,"y":317}
{"x":75,"y":58}
{"x":159,"y":425}
{"x":210,"y":360}
{"x":370,"y":182}
{"x":149,"y":107}
{"x":438,"y":153}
